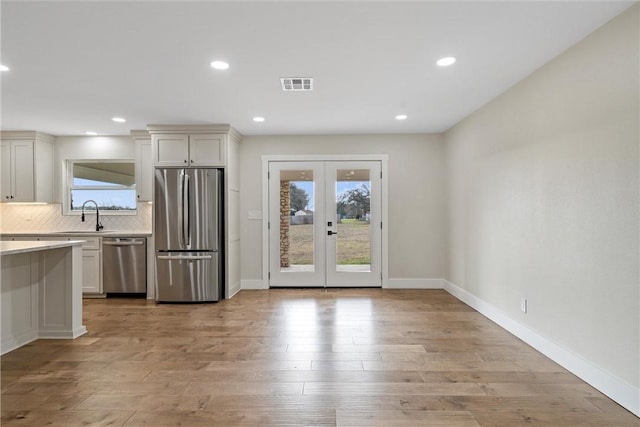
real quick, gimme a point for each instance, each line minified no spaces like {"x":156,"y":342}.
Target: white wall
{"x":544,"y":202}
{"x":416,"y":195}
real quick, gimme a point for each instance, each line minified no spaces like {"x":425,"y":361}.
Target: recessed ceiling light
{"x":4,"y":68}
{"x":401,"y":117}
{"x":446,"y":61}
{"x":258,"y":119}
{"x":90,"y":133}
{"x":119,"y":119}
{"x":219,"y":65}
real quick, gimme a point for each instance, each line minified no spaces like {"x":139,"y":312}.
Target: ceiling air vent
{"x":296,"y":83}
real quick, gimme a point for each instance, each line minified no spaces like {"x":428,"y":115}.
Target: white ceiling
{"x":74,"y":65}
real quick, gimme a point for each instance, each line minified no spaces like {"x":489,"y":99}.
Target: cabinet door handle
{"x":185,"y":160}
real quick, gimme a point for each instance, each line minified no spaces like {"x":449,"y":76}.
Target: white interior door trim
{"x":384,"y":161}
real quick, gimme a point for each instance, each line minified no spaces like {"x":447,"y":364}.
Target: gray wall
{"x":417,"y":220}
{"x":543,"y":200}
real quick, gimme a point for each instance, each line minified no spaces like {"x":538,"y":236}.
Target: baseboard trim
{"x":258,"y":284}
{"x":415,"y":284}
{"x":62,"y":334}
{"x":617,"y":389}
{"x":12,"y":343}
{"x":253,"y":284}
{"x":234,"y":289}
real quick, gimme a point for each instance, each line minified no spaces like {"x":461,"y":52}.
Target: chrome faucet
{"x":98,"y":225}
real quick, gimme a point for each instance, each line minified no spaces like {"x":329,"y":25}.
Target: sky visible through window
{"x":121,"y":196}
{"x":342,"y":186}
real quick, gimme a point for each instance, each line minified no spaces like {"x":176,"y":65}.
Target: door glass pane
{"x":353,"y":201}
{"x":296,"y":221}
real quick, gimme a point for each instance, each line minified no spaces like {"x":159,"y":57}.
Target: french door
{"x":325,"y":223}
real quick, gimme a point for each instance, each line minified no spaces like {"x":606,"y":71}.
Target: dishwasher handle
{"x":123,"y":243}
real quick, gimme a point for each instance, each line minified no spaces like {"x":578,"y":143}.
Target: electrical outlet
{"x":523,"y":305}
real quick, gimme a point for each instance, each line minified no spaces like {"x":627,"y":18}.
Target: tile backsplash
{"x":45,"y":218}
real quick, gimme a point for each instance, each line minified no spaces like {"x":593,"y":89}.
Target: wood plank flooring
{"x":291,"y":357}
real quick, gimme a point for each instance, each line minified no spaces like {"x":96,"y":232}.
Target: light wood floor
{"x":295,"y":357}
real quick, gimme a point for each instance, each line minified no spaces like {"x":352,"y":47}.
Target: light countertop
{"x":11,"y":248}
{"x":79,"y":233}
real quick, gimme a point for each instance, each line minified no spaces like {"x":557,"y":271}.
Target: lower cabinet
{"x":91,"y":272}
{"x":91,"y":265}
{"x":91,"y":259}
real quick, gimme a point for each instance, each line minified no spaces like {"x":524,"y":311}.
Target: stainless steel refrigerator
{"x":188,"y":229}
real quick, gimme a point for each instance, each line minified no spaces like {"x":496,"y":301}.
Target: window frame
{"x":69,"y":187}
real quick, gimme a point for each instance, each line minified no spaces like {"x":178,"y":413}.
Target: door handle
{"x":331,"y":233}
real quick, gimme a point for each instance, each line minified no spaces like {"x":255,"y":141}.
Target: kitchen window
{"x":111,"y":184}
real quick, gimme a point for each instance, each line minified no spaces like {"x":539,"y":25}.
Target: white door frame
{"x":382,"y":158}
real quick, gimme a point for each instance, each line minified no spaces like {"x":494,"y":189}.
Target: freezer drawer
{"x":188,"y":276}
{"x":124,"y":265}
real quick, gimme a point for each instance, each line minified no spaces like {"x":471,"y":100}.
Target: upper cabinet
{"x":171,"y":150}
{"x":207,"y":150}
{"x":189,"y":146}
{"x":27,"y":167}
{"x":144,"y":165}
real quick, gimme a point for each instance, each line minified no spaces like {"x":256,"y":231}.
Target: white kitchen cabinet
{"x":189,"y":146}
{"x":144,"y":166}
{"x":171,"y":150}
{"x":91,"y":263}
{"x":27,"y":167}
{"x":91,"y":271}
{"x":206,"y":150}
{"x":91,"y":258}
{"x":41,"y":295}
{"x":189,"y":150}
{"x":17,"y":171}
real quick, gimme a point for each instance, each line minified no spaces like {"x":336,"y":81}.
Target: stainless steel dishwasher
{"x":124,"y":268}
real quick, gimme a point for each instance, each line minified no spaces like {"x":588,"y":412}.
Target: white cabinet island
{"x":41,"y":291}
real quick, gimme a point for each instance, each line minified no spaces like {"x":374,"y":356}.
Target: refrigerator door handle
{"x":181,"y":212}
{"x":184,"y":257}
{"x":188,"y":215}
